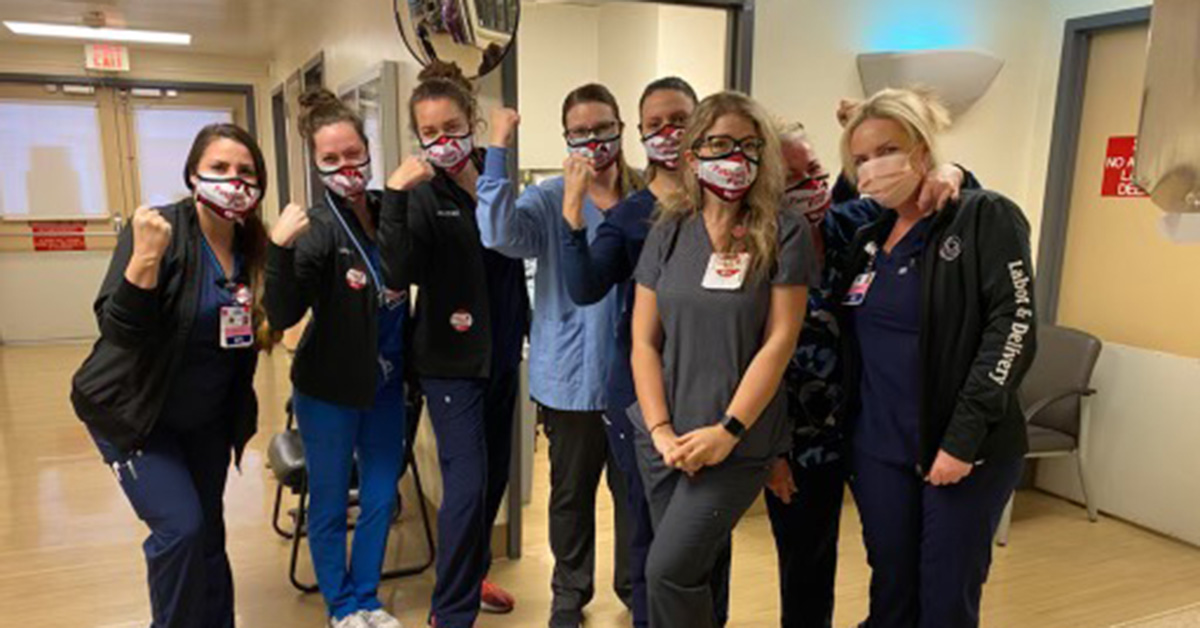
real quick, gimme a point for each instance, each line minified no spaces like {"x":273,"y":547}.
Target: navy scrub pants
{"x":176,"y":485}
{"x":472,"y":419}
{"x":335,"y":437}
{"x":929,"y":547}
{"x":623,"y":452}
{"x":806,"y":538}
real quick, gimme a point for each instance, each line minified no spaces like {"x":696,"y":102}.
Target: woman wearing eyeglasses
{"x":722,"y":283}
{"x":571,"y":345}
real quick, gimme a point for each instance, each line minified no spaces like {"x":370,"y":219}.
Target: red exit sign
{"x":107,"y":57}
{"x":1119,"y":161}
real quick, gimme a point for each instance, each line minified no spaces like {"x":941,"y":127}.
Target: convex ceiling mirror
{"x":474,"y":34}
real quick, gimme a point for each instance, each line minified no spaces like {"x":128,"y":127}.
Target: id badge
{"x":726,"y":271}
{"x":858,"y":290}
{"x":237,"y":330}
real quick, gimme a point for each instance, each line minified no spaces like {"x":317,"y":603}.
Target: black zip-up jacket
{"x":978,"y":327}
{"x":337,"y":358}
{"x":121,"y":388}
{"x":429,"y":237}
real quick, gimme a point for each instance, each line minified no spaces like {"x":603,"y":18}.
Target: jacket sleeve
{"x":127,"y":315}
{"x":294,"y":275}
{"x":517,"y":228}
{"x":1009,"y":339}
{"x":404,"y":240}
{"x":591,"y":270}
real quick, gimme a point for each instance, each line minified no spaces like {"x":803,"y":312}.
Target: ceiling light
{"x":98,"y":34}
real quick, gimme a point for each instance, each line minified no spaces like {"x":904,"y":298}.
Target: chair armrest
{"x":1041,"y":404}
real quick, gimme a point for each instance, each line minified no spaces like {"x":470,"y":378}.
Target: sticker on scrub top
{"x":356,"y":279}
{"x":242,"y":294}
{"x":462,"y":321}
{"x":858,"y":290}
{"x":726,"y":271}
{"x":237,"y":332}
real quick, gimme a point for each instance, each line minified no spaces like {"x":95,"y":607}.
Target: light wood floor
{"x":70,"y":545}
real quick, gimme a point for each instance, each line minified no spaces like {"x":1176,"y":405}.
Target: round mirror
{"x":475,"y":34}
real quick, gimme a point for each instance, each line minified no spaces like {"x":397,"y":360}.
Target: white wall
{"x":1144,"y":432}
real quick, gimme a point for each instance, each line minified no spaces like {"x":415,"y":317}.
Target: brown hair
{"x":441,"y":80}
{"x":320,"y":108}
{"x":253,"y":241}
{"x":760,"y":206}
{"x":664,"y":84}
{"x":629,"y":180}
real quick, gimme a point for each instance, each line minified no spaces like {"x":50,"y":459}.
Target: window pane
{"x":53,"y":164}
{"x":164,"y":137}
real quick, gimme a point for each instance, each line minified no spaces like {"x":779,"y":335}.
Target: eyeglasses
{"x":808,"y":181}
{"x":649,"y":130}
{"x":604,"y":130}
{"x":721,"y":146}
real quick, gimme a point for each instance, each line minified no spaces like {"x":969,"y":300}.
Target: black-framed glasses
{"x":722,"y":146}
{"x":603,"y":131}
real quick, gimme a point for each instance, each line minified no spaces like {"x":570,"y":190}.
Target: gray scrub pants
{"x":687,"y":571}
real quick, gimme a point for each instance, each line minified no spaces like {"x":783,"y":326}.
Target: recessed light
{"x":98,"y":34}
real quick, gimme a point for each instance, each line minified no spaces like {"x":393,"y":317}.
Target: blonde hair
{"x":760,"y":207}
{"x":918,"y":112}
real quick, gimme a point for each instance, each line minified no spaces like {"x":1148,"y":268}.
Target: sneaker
{"x":349,"y":621}
{"x":496,"y":600}
{"x":380,"y":619}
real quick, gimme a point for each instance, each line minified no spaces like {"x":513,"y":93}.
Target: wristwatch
{"x":733,"y":426}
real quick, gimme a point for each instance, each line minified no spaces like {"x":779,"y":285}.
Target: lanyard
{"x":362,"y":252}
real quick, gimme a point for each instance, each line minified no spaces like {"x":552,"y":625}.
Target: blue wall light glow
{"x":904,"y":25}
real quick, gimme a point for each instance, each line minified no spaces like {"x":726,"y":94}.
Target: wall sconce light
{"x":958,"y":77}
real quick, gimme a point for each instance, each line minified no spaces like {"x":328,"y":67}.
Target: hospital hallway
{"x":70,"y":545}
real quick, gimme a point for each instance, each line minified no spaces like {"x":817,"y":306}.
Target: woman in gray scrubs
{"x":722,"y":287}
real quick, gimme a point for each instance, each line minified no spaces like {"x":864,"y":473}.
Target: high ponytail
{"x":320,"y":108}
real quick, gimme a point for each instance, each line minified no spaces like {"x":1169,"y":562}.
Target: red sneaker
{"x":496,"y":600}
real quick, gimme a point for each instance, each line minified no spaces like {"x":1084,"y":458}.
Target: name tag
{"x":726,"y":271}
{"x":858,"y":290}
{"x":237,"y":328}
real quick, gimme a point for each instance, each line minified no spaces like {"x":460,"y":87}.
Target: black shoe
{"x":566,"y":619}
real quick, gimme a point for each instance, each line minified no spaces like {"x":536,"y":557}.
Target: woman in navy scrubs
{"x":348,"y":370}
{"x":592,"y":269}
{"x":471,"y":316}
{"x":940,"y":322}
{"x":168,"y":390}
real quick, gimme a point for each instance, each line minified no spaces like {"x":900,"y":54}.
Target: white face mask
{"x":230,"y":198}
{"x":602,"y":152}
{"x":450,"y":153}
{"x":347,"y":181}
{"x":662,"y":146}
{"x":890,"y":180}
{"x":729,"y":178}
{"x":811,"y":198}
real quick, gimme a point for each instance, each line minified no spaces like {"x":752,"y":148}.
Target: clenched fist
{"x":412,"y":172}
{"x":504,"y":124}
{"x":151,"y":234}
{"x":292,"y":224}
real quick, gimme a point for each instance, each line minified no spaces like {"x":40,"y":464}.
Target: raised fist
{"x":292,"y":224}
{"x":151,"y":234}
{"x":504,"y":124}
{"x":412,"y":172}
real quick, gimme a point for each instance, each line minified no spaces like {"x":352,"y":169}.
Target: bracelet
{"x":660,"y":424}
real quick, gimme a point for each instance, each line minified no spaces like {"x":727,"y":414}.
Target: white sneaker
{"x":380,"y":619}
{"x":355,"y":620}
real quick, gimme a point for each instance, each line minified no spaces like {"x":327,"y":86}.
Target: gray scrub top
{"x":711,"y":336}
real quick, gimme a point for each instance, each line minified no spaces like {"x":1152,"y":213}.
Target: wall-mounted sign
{"x":107,"y":57}
{"x":58,"y":236}
{"x":1118,"y":168}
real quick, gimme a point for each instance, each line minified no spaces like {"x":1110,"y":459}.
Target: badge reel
{"x":237,"y":323}
{"x":726,"y":271}
{"x":862,"y":283}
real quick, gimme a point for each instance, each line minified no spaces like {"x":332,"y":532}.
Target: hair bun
{"x":439,"y":70}
{"x":318,"y":98}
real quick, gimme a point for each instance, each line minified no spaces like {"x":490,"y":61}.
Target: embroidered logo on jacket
{"x":951,"y":248}
{"x":1014,"y":345}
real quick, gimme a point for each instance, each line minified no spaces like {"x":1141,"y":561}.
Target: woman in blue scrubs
{"x":940,"y":326}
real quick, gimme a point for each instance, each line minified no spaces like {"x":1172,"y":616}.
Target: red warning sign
{"x":1118,"y":168}
{"x":58,"y":236}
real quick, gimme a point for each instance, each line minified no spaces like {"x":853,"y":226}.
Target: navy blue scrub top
{"x":888,"y":325}
{"x":391,"y":331}
{"x":200,"y":392}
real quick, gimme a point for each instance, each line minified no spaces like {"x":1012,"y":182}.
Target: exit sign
{"x":107,"y":57}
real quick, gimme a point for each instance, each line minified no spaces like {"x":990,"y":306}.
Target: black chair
{"x":285,"y":457}
{"x":1054,"y":399}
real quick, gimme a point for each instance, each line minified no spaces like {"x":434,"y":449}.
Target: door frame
{"x":1064,"y":145}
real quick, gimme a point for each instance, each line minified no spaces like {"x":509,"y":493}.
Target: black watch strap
{"x":733,"y":426}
